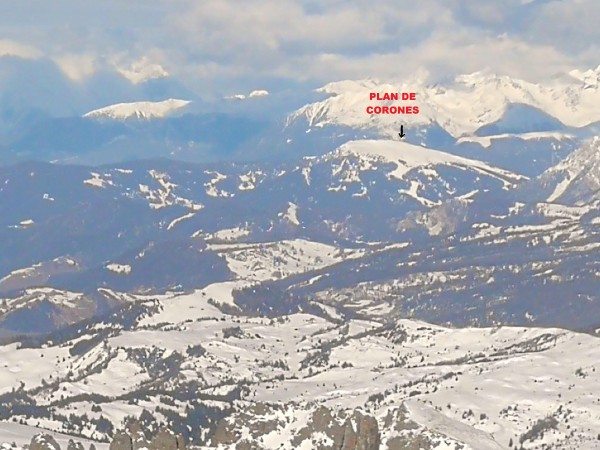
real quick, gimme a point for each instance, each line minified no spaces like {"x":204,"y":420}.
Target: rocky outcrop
{"x":323,"y":423}
{"x":345,"y":431}
{"x":167,"y":440}
{"x":322,"y":428}
{"x":43,"y":442}
{"x":325,"y":429}
{"x":72,"y":445}
{"x":121,"y":441}
{"x":134,"y":439}
{"x":366,"y":436}
{"x":318,"y":427}
{"x":227,"y":432}
{"x":405,"y":434}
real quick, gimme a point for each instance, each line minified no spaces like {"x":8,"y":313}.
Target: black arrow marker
{"x":401,"y":134}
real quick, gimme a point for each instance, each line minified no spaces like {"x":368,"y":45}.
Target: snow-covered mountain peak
{"x":476,"y":78}
{"x":589,"y":77}
{"x":344,"y":86}
{"x":347,"y":104}
{"x":138,"y":110}
{"x":461,"y":107}
{"x":576,"y":179}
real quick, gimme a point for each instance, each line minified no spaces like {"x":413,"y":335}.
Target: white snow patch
{"x":427,"y":416}
{"x":291,"y":214}
{"x":211,"y":186}
{"x":228,"y":234}
{"x":124,"y":269}
{"x":179,"y":219}
{"x":486,"y":141}
{"x":276,"y":260}
{"x":97,"y":181}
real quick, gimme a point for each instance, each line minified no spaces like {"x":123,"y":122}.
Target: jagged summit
{"x":590,"y":77}
{"x":576,"y":180}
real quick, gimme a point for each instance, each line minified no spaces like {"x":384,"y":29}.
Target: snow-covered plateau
{"x":291,"y":381}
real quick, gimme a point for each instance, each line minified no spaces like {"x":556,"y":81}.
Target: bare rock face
{"x":260,"y":416}
{"x":167,"y":440}
{"x":137,"y":434}
{"x":135,"y":439}
{"x":181,"y":444}
{"x":121,"y":441}
{"x":72,"y":445}
{"x":163,"y":441}
{"x":140,"y":442}
{"x":407,"y":433}
{"x":325,"y":429}
{"x":367,"y":432}
{"x":43,"y":442}
{"x":325,"y":423}
{"x":359,"y":432}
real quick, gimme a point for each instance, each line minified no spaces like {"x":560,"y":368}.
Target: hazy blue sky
{"x":233,"y":44}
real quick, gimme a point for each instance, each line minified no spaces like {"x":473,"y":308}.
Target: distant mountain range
{"x":464,"y":116}
{"x":305,"y":276}
{"x":396,"y":214}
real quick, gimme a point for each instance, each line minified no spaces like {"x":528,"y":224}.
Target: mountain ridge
{"x":139,"y":110}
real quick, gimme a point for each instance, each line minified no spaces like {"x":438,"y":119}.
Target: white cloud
{"x":215,"y":42}
{"x":253,"y":28}
{"x":331,"y":39}
{"x":77,"y":67}
{"x":454,"y":53}
{"x":570,"y":25}
{"x":13,"y":48}
{"x":143,"y":69}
